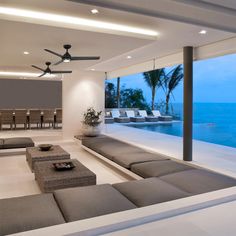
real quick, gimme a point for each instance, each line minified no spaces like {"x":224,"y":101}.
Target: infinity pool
{"x":208,"y":132}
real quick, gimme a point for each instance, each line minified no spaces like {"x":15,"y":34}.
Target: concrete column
{"x":80,"y":90}
{"x":188,"y":103}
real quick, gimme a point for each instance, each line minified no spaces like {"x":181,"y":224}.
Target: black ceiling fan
{"x":66,"y":57}
{"x":49,"y":71}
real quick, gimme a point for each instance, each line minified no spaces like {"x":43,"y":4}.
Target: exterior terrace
{"x":163,"y":32}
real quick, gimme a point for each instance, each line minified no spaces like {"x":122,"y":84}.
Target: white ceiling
{"x":17,"y":37}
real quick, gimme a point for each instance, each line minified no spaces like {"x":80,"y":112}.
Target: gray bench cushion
{"x":18,"y":143}
{"x":86,"y":202}
{"x":149,"y":191}
{"x":96,"y":141}
{"x":158,"y":168}
{"x":1,"y":143}
{"x":199,"y":181}
{"x":127,"y":159}
{"x":28,"y":213}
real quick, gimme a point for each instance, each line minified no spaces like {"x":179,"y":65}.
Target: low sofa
{"x":163,"y":180}
{"x":18,"y":142}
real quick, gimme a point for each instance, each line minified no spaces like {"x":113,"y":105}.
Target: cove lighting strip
{"x":23,"y":74}
{"x":74,"y":21}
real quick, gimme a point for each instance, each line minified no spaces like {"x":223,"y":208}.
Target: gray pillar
{"x":188,"y":103}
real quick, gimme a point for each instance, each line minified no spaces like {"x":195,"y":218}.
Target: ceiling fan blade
{"x":42,"y":74}
{"x":84,"y":58}
{"x":37,"y":67}
{"x":61,"y":72}
{"x":55,"y":53}
{"x":57,"y":63}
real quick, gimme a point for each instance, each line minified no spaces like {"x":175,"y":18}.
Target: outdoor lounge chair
{"x":108,"y":118}
{"x":156,"y":113}
{"x":118,"y":118}
{"x":133,"y":117}
{"x":143,"y":113}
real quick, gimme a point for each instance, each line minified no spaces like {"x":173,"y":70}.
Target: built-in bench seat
{"x":150,"y":191}
{"x":165,"y":180}
{"x":29,"y":212}
{"x":90,"y":201}
{"x":157,"y":169}
{"x":18,"y":142}
{"x":120,"y":152}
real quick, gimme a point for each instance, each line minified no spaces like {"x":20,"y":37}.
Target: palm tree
{"x":118,"y":92}
{"x":172,"y":79}
{"x":154,"y":80}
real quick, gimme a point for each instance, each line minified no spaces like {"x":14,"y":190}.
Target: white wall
{"x":80,"y":90}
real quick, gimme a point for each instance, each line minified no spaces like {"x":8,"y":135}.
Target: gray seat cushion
{"x":199,"y":181}
{"x":95,"y":141}
{"x":91,"y":201}
{"x":28,"y":213}
{"x":18,"y":143}
{"x":149,"y":191}
{"x":128,"y":159}
{"x":1,"y":143}
{"x":158,"y":168}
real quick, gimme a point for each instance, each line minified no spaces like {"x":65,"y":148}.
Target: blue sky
{"x":214,"y":81}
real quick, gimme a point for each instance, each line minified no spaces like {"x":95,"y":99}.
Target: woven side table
{"x":50,"y":179}
{"x":33,"y":154}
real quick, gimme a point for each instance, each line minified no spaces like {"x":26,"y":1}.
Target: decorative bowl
{"x":45,"y":147}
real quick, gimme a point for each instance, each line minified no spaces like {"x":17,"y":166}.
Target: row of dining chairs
{"x":27,"y":118}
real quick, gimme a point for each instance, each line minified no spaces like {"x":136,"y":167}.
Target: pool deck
{"x":215,"y":157}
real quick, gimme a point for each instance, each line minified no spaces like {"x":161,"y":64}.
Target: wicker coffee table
{"x":33,"y":154}
{"x":50,"y":179}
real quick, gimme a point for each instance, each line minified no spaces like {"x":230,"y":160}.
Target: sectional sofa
{"x":163,"y":180}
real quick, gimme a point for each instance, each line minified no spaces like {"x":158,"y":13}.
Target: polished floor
{"x":16,"y":178}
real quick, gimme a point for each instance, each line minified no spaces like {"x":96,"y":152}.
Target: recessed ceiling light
{"x":26,"y":53}
{"x":74,"y":21}
{"x":202,"y":32}
{"x":93,"y":69}
{"x":94,"y":11}
{"x":128,"y":57}
{"x":23,"y":74}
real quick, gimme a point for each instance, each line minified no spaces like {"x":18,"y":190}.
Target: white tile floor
{"x":16,"y":178}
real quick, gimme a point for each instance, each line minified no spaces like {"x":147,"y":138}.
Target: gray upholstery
{"x":91,"y":201}
{"x":128,"y":159}
{"x":18,"y":143}
{"x":158,"y":168}
{"x":1,"y":143}
{"x":120,"y":152}
{"x":199,"y":181}
{"x":149,"y":191}
{"x":122,"y":119}
{"x":28,"y":213}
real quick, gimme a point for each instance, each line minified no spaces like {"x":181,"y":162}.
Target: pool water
{"x":208,"y":132}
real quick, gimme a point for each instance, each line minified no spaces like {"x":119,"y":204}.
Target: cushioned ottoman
{"x":28,"y":213}
{"x":158,"y":168}
{"x":149,"y":191}
{"x":18,"y":143}
{"x":128,"y":159}
{"x":199,"y":181}
{"x":86,"y":202}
